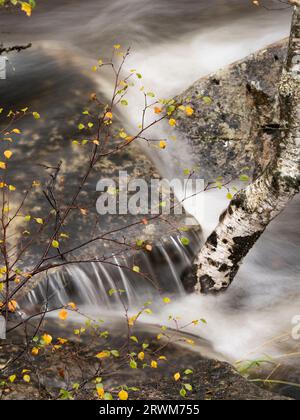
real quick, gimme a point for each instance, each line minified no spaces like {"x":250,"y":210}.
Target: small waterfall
{"x":89,"y":284}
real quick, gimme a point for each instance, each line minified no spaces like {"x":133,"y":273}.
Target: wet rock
{"x":236,"y":120}
{"x":212,"y":380}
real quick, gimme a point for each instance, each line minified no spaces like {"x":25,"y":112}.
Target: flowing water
{"x":173,"y":43}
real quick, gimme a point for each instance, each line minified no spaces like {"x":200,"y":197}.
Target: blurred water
{"x":174,"y":42}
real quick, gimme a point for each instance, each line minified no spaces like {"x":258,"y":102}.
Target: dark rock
{"x":235,"y":122}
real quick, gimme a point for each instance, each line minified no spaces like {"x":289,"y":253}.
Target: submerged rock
{"x":236,"y":115}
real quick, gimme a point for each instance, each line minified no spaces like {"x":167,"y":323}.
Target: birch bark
{"x":253,"y":208}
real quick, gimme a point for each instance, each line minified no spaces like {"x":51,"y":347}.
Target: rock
{"x":236,"y":115}
{"x":211,"y":380}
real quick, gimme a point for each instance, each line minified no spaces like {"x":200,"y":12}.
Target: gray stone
{"x":236,"y":115}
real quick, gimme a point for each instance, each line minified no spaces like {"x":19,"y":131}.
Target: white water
{"x":174,"y":43}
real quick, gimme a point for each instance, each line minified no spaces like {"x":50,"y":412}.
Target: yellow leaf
{"x":26,"y":7}
{"x":36,"y":115}
{"x":35,"y":351}
{"x":162,"y":358}
{"x":12,"y":306}
{"x":2,"y":165}
{"x":172,"y":122}
{"x":117,"y":46}
{"x":7,"y":154}
{"x":141,"y":356}
{"x":12,"y":378}
{"x":55,"y":244}
{"x":177,"y":376}
{"x":162,"y":144}
{"x":39,"y":221}
{"x":131,"y":321}
{"x":123,"y":395}
{"x":109,"y":115}
{"x":63,"y":314}
{"x":62,"y":341}
{"x":12,"y":188}
{"x":123,"y":135}
{"x":167,"y":300}
{"x":26,"y":378}
{"x":100,"y":392}
{"x":72,"y":305}
{"x":16,"y":131}
{"x":154,"y":364}
{"x":47,"y":339}
{"x":189,"y":111}
{"x":103,"y":355}
{"x":157,"y":110}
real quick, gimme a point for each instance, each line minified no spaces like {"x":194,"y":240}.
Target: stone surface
{"x":236,"y":118}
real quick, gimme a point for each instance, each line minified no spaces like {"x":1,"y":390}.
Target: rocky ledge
{"x":235,"y":122}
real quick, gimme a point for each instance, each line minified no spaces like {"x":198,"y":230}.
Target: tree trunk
{"x":253,"y":208}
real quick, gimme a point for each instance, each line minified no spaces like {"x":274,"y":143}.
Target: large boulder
{"x":236,"y":114}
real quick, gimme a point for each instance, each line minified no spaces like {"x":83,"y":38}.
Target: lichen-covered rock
{"x":236,"y":114}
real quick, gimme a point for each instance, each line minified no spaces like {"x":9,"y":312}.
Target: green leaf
{"x":182,"y":392}
{"x":188,"y":387}
{"x":133,"y":364}
{"x":115,"y":353}
{"x":244,"y":178}
{"x":185,"y":241}
{"x":36,"y":115}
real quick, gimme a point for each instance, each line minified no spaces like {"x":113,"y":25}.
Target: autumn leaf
{"x":12,"y":378}
{"x":162,"y":145}
{"x":55,"y":244}
{"x":189,"y":111}
{"x":12,"y":306}
{"x":35,"y":351}
{"x":36,"y":115}
{"x":172,"y":122}
{"x":167,"y":300}
{"x":47,"y":339}
{"x":131,"y":321}
{"x":123,"y":395}
{"x":177,"y":376}
{"x":103,"y":354}
{"x":154,"y":364}
{"x":39,"y":221}
{"x":100,"y":391}
{"x":63,"y":314}
{"x":157,"y":110}
{"x":136,"y":269}
{"x":62,"y":341}
{"x":141,"y":356}
{"x":2,"y":165}
{"x":109,"y":116}
{"x":26,"y":378}
{"x":72,"y":305}
{"x":27,"y":8}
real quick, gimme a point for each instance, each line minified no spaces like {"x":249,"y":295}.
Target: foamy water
{"x":173,"y":44}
